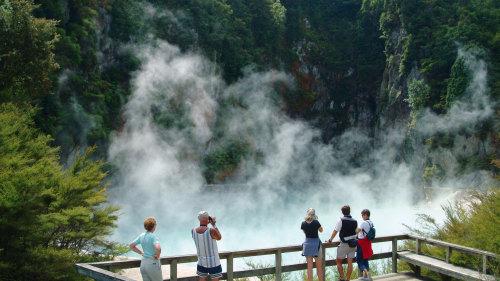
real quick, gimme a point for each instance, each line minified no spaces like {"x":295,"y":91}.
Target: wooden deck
{"x":105,"y":271}
{"x":442,"y":267}
{"x":400,"y":276}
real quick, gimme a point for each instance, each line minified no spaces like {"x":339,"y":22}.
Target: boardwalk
{"x":402,"y":276}
{"x":104,"y":271}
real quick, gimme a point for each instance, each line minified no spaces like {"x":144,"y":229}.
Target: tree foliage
{"x":50,"y":218}
{"x":223,"y":162}
{"x":26,"y":53}
{"x":418,"y":94}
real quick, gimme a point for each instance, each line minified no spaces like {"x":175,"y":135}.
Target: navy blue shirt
{"x":311,"y":229}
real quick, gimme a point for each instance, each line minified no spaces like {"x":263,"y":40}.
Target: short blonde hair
{"x":310,"y":215}
{"x":149,"y":223}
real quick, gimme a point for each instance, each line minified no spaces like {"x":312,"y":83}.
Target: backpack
{"x":371,"y":233}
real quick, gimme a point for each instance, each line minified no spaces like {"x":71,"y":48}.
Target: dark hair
{"x":366,"y":212}
{"x":149,"y":223}
{"x":346,"y":210}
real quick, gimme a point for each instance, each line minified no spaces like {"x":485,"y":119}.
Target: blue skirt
{"x":311,"y":246}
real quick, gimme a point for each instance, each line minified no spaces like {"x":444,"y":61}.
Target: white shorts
{"x":151,"y":269}
{"x":344,"y":251}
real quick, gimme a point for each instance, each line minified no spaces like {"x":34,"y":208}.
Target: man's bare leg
{"x":340,"y":268}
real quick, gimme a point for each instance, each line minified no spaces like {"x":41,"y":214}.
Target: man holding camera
{"x":206,"y":247}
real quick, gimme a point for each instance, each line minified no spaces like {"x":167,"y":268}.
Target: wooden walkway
{"x":442,"y":267}
{"x":105,"y":271}
{"x":401,"y":276}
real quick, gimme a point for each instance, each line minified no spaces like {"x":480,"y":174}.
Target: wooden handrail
{"x":102,"y":270}
{"x":459,"y":248}
{"x":450,"y":247}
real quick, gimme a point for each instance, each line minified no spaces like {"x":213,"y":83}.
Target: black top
{"x":311,"y":229}
{"x":349,"y":226}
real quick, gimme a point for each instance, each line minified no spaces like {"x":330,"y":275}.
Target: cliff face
{"x":338,"y":61}
{"x":355,"y":63}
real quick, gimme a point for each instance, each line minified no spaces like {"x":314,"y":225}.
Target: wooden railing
{"x":453,"y":247}
{"x":103,"y":271}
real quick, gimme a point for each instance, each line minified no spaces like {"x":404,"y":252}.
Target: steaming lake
{"x":249,"y":221}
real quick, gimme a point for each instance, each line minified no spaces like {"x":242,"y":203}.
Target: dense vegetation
{"x":340,"y":52}
{"x":65,"y":73}
{"x":471,"y":222}
{"x":51,"y":218}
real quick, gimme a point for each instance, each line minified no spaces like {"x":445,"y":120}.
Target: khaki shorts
{"x":344,"y":251}
{"x":320,"y":254}
{"x":151,"y":269}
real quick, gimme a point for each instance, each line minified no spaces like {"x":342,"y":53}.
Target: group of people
{"x":353,"y":243}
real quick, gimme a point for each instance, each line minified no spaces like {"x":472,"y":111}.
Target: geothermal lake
{"x":250,"y":219}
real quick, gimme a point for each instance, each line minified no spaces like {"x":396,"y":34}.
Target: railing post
{"x":419,"y":246}
{"x":485,"y":263}
{"x":278,"y":265}
{"x":323,"y":264}
{"x":448,"y":254}
{"x":230,"y":267}
{"x":394,"y":255}
{"x":173,"y":270}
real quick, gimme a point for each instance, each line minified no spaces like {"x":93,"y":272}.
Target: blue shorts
{"x":215,"y":272}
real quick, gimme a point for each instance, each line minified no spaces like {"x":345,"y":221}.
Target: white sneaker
{"x":369,"y":278}
{"x":363,"y":278}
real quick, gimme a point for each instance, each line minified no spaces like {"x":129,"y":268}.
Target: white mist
{"x":159,"y":174}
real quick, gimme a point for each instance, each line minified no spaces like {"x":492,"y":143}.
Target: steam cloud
{"x":171,"y":120}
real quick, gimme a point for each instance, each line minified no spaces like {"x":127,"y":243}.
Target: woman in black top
{"x":312,"y":245}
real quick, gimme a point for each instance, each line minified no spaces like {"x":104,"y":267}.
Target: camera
{"x":209,"y":218}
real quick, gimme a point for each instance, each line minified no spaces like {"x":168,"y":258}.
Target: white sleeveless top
{"x":208,"y":254}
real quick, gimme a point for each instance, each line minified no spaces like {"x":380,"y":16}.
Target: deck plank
{"x":442,"y":267}
{"x":400,"y":276}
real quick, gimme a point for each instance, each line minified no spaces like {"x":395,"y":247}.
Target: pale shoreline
{"x":134,"y":273}
{"x":182,"y":271}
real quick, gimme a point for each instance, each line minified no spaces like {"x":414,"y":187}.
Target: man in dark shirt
{"x":346,"y":227}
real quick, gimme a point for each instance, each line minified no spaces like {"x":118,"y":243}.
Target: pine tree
{"x":50,"y":218}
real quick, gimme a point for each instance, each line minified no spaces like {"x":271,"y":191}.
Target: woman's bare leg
{"x":309,"y":268}
{"x":319,"y":270}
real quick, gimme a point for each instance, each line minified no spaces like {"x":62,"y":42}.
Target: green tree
{"x":459,"y":81}
{"x":26,"y":57}
{"x":418,"y":94}
{"x":50,"y":218}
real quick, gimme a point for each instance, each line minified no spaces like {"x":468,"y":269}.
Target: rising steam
{"x":178,"y":108}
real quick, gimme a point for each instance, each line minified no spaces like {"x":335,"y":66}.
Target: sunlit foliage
{"x":50,"y":218}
